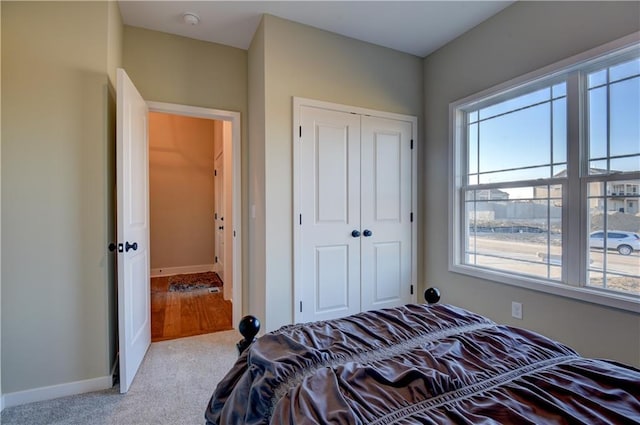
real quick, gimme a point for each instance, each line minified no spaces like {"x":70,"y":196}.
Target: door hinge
{"x":300,"y":219}
{"x":234,"y":233}
{"x":215,"y":215}
{"x":215,"y":172}
{"x":411,"y":217}
{"x":300,"y":306}
{"x":300,"y":131}
{"x":215,"y":259}
{"x":411,"y":143}
{"x":411,"y":289}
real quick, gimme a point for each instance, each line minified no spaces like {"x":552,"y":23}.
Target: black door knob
{"x":367,"y":233}
{"x":355,"y":233}
{"x":128,"y":246}
{"x":112,"y":247}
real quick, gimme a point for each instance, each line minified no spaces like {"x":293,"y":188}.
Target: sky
{"x":530,"y":130}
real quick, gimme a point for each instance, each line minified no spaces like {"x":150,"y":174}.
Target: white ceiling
{"x":416,"y":27}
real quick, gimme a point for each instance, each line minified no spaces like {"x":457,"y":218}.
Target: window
{"x":546,"y":176}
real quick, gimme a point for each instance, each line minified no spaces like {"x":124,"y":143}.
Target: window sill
{"x":600,"y":297}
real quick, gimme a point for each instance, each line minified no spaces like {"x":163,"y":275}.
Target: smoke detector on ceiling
{"x":191,"y":18}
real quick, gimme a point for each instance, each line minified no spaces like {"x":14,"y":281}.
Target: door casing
{"x":234,"y":119}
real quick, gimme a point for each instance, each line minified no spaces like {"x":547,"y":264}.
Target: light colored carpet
{"x":172,"y":387}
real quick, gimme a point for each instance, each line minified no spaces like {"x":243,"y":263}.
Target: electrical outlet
{"x":516,"y":310}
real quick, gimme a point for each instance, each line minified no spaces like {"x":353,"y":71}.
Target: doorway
{"x":195,"y":220}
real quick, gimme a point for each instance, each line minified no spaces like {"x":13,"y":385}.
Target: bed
{"x":420,"y":363}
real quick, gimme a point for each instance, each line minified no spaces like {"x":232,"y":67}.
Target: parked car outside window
{"x":623,"y":242}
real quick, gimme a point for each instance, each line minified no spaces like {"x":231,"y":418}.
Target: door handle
{"x":221,"y":228}
{"x":128,"y":246}
{"x":367,"y":233}
{"x":355,"y":234}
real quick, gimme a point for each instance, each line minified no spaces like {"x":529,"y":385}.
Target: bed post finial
{"x":249,"y":327}
{"x":432,"y":295}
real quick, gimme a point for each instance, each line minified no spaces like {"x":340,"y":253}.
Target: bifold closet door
{"x":330,"y":205}
{"x":385,"y":194}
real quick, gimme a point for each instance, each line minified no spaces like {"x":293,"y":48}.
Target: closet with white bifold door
{"x":354,"y":208}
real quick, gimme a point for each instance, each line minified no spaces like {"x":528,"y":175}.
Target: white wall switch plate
{"x":516,"y":310}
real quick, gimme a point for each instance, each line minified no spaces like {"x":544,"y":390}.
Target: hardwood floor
{"x":180,"y":314}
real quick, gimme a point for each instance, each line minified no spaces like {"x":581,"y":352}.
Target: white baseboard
{"x":56,"y":391}
{"x":170,"y":271}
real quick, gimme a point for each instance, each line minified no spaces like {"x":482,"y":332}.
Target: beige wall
{"x":181,"y":190}
{"x":256,"y":295}
{"x":173,"y":69}
{"x":55,"y":184}
{"x":307,"y":62}
{"x":522,"y":38}
{"x":115,"y":31}
{"x":1,"y":398}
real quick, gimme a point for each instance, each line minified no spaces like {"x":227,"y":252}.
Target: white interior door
{"x":218,"y":184}
{"x":132,"y":174}
{"x":330,"y":212}
{"x":386,"y":213}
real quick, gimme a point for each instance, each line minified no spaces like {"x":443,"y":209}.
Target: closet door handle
{"x":128,"y":246}
{"x":367,"y":233}
{"x":355,"y":234}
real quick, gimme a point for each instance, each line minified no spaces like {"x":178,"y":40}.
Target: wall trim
{"x":170,"y":271}
{"x":56,"y":391}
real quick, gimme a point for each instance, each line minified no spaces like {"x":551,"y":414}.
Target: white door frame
{"x":297,"y":232}
{"x":234,"y":118}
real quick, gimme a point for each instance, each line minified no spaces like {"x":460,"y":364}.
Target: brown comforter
{"x":420,"y":364}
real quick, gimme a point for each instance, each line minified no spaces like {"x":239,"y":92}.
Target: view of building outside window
{"x":614,"y":148}
{"x":510,"y":227}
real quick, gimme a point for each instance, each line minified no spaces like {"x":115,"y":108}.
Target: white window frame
{"x":574,"y":238}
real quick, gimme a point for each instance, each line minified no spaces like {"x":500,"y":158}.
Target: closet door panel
{"x":386,"y":212}
{"x":387,"y":276}
{"x":330,"y":212}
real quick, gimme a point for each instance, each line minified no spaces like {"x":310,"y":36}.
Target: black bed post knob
{"x":249,"y":327}
{"x":432,"y":295}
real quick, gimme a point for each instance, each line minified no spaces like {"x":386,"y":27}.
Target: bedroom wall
{"x":524,"y":37}
{"x":55,"y":210}
{"x":181,"y":190}
{"x":1,"y":396}
{"x":303,"y":61}
{"x":115,"y":31}
{"x":257,"y":224}
{"x":173,"y":69}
